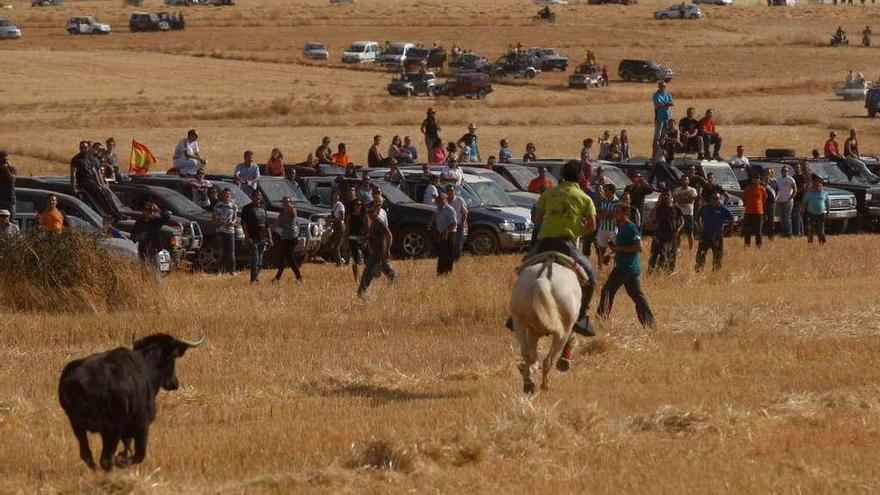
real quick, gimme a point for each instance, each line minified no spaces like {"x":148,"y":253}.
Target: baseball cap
{"x":5,"y":213}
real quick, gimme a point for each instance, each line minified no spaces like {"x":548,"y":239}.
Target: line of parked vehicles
{"x":498,"y":199}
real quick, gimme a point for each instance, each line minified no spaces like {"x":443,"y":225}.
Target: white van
{"x":361,"y":52}
{"x":395,"y":54}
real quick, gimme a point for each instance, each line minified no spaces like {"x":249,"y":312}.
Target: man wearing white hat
{"x":7,"y":228}
{"x":468,"y":143}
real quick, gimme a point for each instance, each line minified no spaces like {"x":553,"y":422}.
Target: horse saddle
{"x":547,"y":258}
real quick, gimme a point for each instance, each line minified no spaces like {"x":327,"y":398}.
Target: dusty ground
{"x":761,"y":378}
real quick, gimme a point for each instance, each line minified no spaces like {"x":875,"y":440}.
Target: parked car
{"x":467,"y":84}
{"x":549,"y":59}
{"x":643,"y":70}
{"x":147,"y":21}
{"x":679,"y":11}
{"x":471,"y":62}
{"x":724,"y":177}
{"x":45,"y":3}
{"x":547,"y":3}
{"x":361,"y":52}
{"x":407,"y":219}
{"x":872,"y":101}
{"x":418,"y":58}
{"x":520,"y":198}
{"x":180,"y":2}
{"x":612,"y":2}
{"x":527,"y":66}
{"x":714,"y":2}
{"x":8,"y":30}
{"x":316,"y":51}
{"x":413,"y":84}
{"x":586,"y":76}
{"x":86,"y":25}
{"x":395,"y":54}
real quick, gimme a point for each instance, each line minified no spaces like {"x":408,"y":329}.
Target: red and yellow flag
{"x":141,"y":158}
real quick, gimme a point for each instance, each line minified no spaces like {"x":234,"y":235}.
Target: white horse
{"x":545,"y":301}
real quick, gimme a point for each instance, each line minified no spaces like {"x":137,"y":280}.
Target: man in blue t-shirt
{"x":662,"y":100}
{"x":715,"y":220}
{"x":627,"y":268}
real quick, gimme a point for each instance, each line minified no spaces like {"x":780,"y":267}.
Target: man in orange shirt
{"x":51,"y":217}
{"x":710,"y":136}
{"x":754,"y":196}
{"x":541,"y":182}
{"x":340,"y":157}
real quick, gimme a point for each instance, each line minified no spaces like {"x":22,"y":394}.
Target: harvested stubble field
{"x":760,"y":378}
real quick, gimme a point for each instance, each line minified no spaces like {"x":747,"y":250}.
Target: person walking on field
{"x":668,"y":221}
{"x":605,"y":217}
{"x":715,"y":220}
{"x":356,"y":223}
{"x":337,"y":219}
{"x":685,"y":196}
{"x":256,"y":232}
{"x":288,"y":225}
{"x":627,"y":269}
{"x":445,"y":221}
{"x":816,"y":205}
{"x":754,"y":196}
{"x":379,"y":240}
{"x":786,"y":189}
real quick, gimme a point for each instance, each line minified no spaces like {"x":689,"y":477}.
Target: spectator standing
{"x":287,"y":223}
{"x":710,"y":136}
{"x":786,"y":189}
{"x":201,"y":190}
{"x":638,"y":190}
{"x":541,"y":182}
{"x":530,"y":155}
{"x":337,"y":219}
{"x":469,"y":143}
{"x":225,"y":216}
{"x":51,"y":218}
{"x":8,"y":175}
{"x":505,"y":155}
{"x":437,"y":156}
{"x":607,"y":227}
{"x":740,"y":160}
{"x":635,"y":215}
{"x":341,"y":156}
{"x":147,"y":232}
{"x":374,"y":155}
{"x":323,"y":153}
{"x":247,"y":173}
{"x":689,"y":127}
{"x":356,"y":224}
{"x":685,"y":196}
{"x":800,"y":180}
{"x":364,"y":188}
{"x":754,"y":197}
{"x":816,"y":205}
{"x":446,"y":222}
{"x":431,"y":130}
{"x":379,"y":239}
{"x":587,"y":157}
{"x":715,"y":220}
{"x":451,"y":172}
{"x":624,"y":146}
{"x":769,"y":184}
{"x":605,"y":77}
{"x":8,"y":229}
{"x":256,"y":233}
{"x":662,"y":110}
{"x":429,"y":197}
{"x":710,"y":188}
{"x":627,"y":269}
{"x":85,"y":175}
{"x":111,"y":161}
{"x":187,"y":158}
{"x":604,"y":145}
{"x":461,"y":213}
{"x":275,"y":163}
{"x":668,"y":221}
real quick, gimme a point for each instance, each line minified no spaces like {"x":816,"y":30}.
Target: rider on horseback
{"x":565,"y":213}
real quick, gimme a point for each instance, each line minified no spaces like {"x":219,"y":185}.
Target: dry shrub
{"x":69,"y":272}
{"x":382,"y":455}
{"x":671,"y":421}
{"x":530,"y":427}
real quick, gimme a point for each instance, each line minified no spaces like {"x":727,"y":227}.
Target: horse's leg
{"x":552,"y":355}
{"x":528,"y":343}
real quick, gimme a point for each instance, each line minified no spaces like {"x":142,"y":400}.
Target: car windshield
{"x":392,"y":193}
{"x":522,"y":175}
{"x":724,"y":176}
{"x":499,"y":180}
{"x":274,"y":190}
{"x":616,"y":176}
{"x":81,"y":224}
{"x":491,"y":194}
{"x":653,"y":65}
{"x":90,"y":20}
{"x":357,"y":48}
{"x":5,"y":22}
{"x":395,"y":50}
{"x":828,"y":171}
{"x":180,"y":204}
{"x":238,"y":196}
{"x":413,"y":77}
{"x":314,"y":46}
{"x":470,"y":197}
{"x":418,"y":53}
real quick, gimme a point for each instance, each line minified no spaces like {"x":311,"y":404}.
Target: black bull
{"x":114,"y":393}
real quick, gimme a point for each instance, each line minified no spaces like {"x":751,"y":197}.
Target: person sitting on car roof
{"x":341,"y":156}
{"x":247,"y":173}
{"x":710,"y":135}
{"x":504,"y":154}
{"x":690,"y":133}
{"x":323,"y":153}
{"x":186,"y":155}
{"x":275,"y":163}
{"x":530,"y":155}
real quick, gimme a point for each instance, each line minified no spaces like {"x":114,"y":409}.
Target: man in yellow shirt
{"x":565,"y":213}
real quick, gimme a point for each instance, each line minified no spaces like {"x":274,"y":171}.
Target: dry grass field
{"x":761,"y":378}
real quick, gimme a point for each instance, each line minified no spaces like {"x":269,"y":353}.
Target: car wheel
{"x":483,"y":242}
{"x":415,"y":243}
{"x":663,"y":16}
{"x":872,"y":112}
{"x":208,"y":258}
{"x":694,"y":16}
{"x":626,"y":76}
{"x":530,"y":74}
{"x":481,"y":94}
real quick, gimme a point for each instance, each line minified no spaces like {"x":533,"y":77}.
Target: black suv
{"x":872,"y":101}
{"x":147,"y":21}
{"x":643,"y":70}
{"x":407,"y":219}
{"x":412,"y":84}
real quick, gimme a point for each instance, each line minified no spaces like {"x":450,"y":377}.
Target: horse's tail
{"x":545,"y":307}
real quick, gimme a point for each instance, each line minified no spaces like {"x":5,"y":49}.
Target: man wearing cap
{"x":468,"y":142}
{"x":431,"y":130}
{"x":8,"y":174}
{"x":8,"y":229}
{"x":186,"y":155}
{"x":446,"y":221}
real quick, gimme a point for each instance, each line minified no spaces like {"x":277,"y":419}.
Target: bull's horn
{"x":195,"y":343}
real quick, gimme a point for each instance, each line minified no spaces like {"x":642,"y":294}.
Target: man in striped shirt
{"x":607,"y":228}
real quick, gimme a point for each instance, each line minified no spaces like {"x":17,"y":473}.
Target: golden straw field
{"x":760,"y":378}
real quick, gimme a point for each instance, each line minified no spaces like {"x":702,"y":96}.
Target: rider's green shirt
{"x":564,"y":208}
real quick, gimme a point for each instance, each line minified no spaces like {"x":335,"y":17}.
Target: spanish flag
{"x":141,"y":158}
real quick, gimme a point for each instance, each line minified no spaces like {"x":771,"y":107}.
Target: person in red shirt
{"x":832,"y":149}
{"x":541,"y":182}
{"x":754,"y":196}
{"x":710,"y":136}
